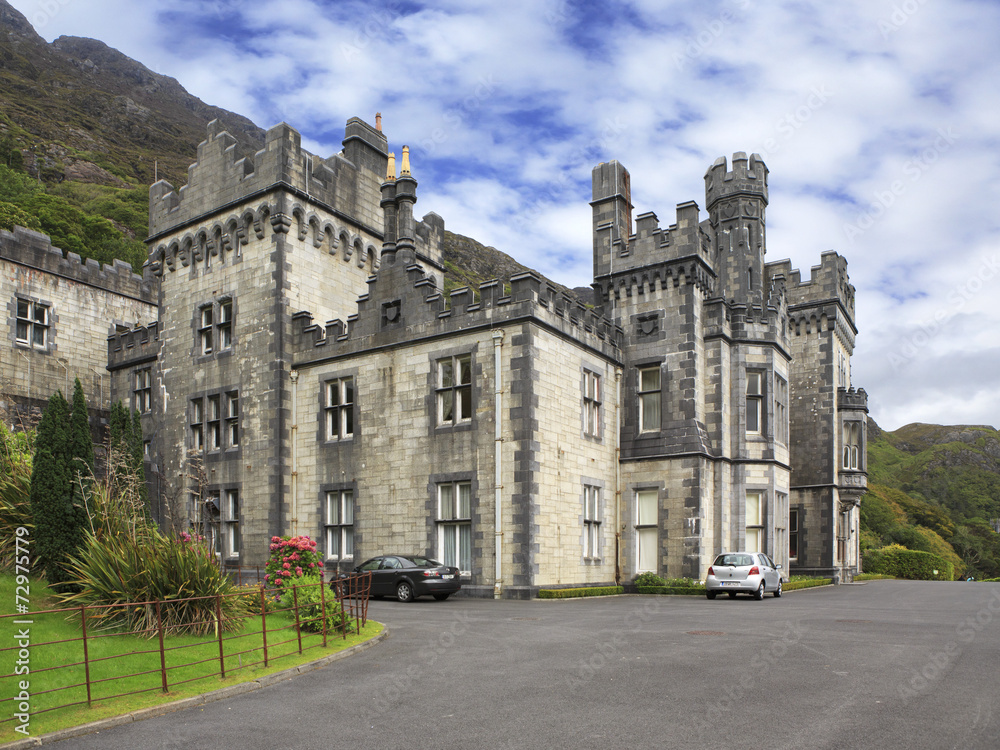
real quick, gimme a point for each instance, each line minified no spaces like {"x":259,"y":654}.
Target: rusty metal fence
{"x":290,"y":626}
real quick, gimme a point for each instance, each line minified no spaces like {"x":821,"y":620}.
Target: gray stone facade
{"x":311,"y":377}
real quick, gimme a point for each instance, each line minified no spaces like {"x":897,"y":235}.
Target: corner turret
{"x":736,"y":203}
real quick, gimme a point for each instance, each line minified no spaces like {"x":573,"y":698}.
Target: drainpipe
{"x":295,"y":473}
{"x":498,"y":442}
{"x":618,"y":477}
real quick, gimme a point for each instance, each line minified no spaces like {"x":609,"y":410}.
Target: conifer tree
{"x":81,"y":448}
{"x":51,"y":492}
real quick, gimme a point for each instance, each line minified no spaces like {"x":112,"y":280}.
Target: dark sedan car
{"x":408,"y":576}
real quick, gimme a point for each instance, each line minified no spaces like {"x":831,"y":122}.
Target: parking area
{"x":883,"y":665}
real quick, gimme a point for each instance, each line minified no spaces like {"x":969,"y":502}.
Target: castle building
{"x":310,"y":376}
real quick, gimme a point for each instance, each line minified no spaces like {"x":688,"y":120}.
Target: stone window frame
{"x":794,"y":529}
{"x":591,"y":518}
{"x":760,"y":519}
{"x":853,"y":439}
{"x":214,"y":420}
{"x":436,"y":427}
{"x":232,"y":511}
{"x":593,"y":403}
{"x":215,"y":323}
{"x":644,"y":525}
{"x":456,"y":521}
{"x":341,"y":526}
{"x":643,"y":394}
{"x":142,"y":391}
{"x":48,"y":326}
{"x":344,"y":412}
{"x":754,"y":400}
{"x":781,"y":424}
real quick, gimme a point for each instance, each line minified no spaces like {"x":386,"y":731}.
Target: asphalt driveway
{"x":889,"y":664}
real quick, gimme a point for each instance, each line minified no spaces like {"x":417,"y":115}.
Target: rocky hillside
{"x":76,"y":109}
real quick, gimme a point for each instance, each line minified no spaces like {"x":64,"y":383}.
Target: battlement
{"x":34,"y":250}
{"x":221,"y":178}
{"x":827,"y":282}
{"x":423,"y":311}
{"x":849,"y":399}
{"x":133,"y":347}
{"x":747,"y":177}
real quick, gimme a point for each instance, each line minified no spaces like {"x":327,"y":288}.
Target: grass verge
{"x":124,"y":663}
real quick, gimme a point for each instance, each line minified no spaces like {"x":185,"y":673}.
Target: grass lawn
{"x":193,"y":663}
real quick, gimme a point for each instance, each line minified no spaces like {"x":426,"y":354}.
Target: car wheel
{"x":732,"y":594}
{"x":442,"y":597}
{"x":777,"y":591}
{"x":710,"y":594}
{"x":759,"y":593}
{"x":404,"y":592}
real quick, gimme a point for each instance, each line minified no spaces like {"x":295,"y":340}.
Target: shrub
{"x":649,"y":579}
{"x":292,"y":557}
{"x":899,"y":562}
{"x":250,"y":598}
{"x":15,"y":492}
{"x":309,"y":595}
{"x":132,"y":570}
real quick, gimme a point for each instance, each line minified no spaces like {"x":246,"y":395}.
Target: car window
{"x":425,"y":562}
{"x":371,"y":564}
{"x":390,"y":563}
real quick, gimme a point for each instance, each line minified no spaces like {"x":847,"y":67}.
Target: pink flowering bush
{"x":292,"y":559}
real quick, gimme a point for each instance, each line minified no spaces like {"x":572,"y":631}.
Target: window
{"x":793,"y":535}
{"x":225,"y":325}
{"x":214,"y":424}
{"x":143,"y":391}
{"x":591,"y":404}
{"x":755,"y":400}
{"x":233,"y":418}
{"x":340,"y":525}
{"x":646,"y":502}
{"x":215,"y":326}
{"x":232,"y":518}
{"x":780,"y":409}
{"x":454,"y":522}
{"x":591,"y":522}
{"x":212,"y":517}
{"x":852,"y":445}
{"x":649,"y":398}
{"x":205,"y":330}
{"x":197,"y":429}
{"x":454,"y":392}
{"x":32,"y":326}
{"x":340,"y":409}
{"x":146,"y":446}
{"x":755,"y":522}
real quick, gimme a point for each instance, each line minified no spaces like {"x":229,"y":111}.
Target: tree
{"x":127,"y":460}
{"x":56,"y":535}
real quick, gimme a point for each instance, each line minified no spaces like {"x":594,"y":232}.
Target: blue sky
{"x":878,"y":119}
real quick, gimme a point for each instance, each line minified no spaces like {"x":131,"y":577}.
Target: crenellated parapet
{"x":133,"y":347}
{"x":748,"y":177}
{"x":418,"y":309}
{"x":849,"y":399}
{"x":222,"y":179}
{"x":827,"y":282}
{"x":34,"y":250}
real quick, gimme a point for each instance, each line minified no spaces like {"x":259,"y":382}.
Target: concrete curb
{"x":210,"y":697}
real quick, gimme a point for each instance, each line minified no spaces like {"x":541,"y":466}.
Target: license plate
{"x":730,"y":583}
{"x":447,"y":576}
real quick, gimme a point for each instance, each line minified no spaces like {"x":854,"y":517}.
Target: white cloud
{"x":508,"y":106}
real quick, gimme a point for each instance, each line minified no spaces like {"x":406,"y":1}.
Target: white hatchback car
{"x":743,"y":572}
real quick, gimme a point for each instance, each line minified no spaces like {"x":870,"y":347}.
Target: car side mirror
{"x":778,"y":566}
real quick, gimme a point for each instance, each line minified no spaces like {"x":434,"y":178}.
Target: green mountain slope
{"x":931,"y":484}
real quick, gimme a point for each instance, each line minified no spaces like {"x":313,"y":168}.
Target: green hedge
{"x":907,"y":563}
{"x":806,"y":583}
{"x":871,"y":577}
{"x":572,"y":593}
{"x":676,"y":590}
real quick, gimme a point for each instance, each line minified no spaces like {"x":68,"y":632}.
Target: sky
{"x":879,"y":121}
